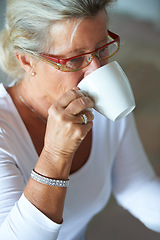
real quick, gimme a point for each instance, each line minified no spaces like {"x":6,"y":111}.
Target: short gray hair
{"x":28,"y":24}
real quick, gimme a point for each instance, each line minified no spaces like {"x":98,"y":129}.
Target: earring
{"x":33,"y":73}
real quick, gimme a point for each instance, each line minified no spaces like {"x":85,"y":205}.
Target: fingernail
{"x":84,"y":93}
{"x":83,"y":101}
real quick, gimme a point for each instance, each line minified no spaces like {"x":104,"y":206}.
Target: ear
{"x":25,"y":61}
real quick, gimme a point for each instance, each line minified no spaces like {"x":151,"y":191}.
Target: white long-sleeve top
{"x":117,"y":163}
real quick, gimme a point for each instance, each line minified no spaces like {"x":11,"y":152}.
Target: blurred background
{"x":138,"y":24}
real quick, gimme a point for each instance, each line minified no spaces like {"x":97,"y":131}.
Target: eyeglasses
{"x":79,"y":62}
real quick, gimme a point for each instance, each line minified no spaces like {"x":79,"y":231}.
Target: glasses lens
{"x":108,"y":51}
{"x":78,"y":63}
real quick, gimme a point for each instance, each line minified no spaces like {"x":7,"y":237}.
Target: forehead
{"x":75,"y":34}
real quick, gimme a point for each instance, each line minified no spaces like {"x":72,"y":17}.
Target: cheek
{"x":104,"y":62}
{"x":58,"y":80}
{"x":70,"y":80}
{"x":45,"y":71}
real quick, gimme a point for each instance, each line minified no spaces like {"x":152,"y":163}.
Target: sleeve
{"x":19,"y":219}
{"x":135,"y":185}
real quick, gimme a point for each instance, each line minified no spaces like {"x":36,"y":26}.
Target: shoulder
{"x":8,"y":111}
{"x":5,"y":102}
{"x":10,"y":121}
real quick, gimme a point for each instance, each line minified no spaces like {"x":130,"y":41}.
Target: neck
{"x":33,"y":99}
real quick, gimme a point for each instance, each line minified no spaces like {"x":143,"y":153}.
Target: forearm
{"x":26,"y":222}
{"x":49,"y":199}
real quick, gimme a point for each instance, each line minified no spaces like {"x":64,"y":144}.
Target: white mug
{"x":110,"y":90}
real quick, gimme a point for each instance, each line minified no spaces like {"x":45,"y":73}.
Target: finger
{"x":80,"y":104}
{"x":82,"y":130}
{"x":69,"y":96}
{"x":84,"y":117}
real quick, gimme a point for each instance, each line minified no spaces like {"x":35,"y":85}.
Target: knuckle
{"x":60,"y":117}
{"x":69,"y":125}
{"x":78,"y":132}
{"x":54,"y":112}
{"x":53,"y":109}
{"x":73,"y":92}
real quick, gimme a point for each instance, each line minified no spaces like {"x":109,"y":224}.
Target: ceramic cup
{"x":110,"y":90}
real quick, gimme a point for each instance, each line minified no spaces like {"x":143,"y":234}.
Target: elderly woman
{"x":48,"y":135}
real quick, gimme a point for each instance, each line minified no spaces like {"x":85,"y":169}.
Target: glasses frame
{"x":60,"y":63}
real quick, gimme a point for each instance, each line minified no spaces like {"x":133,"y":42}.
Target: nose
{"x":95,"y":64}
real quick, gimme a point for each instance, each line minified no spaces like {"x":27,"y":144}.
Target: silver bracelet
{"x":49,"y":181}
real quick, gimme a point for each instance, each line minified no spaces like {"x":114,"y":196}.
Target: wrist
{"x":49,"y":181}
{"x":53,"y":165}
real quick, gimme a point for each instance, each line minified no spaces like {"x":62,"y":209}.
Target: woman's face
{"x":71,"y":38}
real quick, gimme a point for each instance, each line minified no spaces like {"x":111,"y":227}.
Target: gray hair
{"x":28,"y":24}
